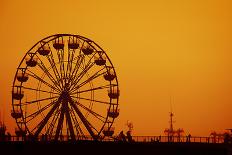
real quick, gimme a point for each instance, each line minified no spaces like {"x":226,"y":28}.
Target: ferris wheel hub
{"x":64,"y":95}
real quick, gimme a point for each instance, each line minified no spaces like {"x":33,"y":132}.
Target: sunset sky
{"x":160,"y":49}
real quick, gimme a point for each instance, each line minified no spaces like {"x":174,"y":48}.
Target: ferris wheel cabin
{"x":18,"y":95}
{"x":113,"y":113}
{"x":16,"y":114}
{"x":31,"y":62}
{"x":109,"y":76}
{"x":100,"y":61}
{"x":22,"y":77}
{"x":73,"y":45}
{"x":44,"y":51}
{"x":113,"y":93}
{"x":58,"y":45}
{"x":87,"y":50}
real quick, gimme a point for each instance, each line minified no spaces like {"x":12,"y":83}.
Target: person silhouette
{"x":129,"y":137}
{"x":227,"y":138}
{"x":8,"y":136}
{"x":188,"y":138}
{"x":122,"y":137}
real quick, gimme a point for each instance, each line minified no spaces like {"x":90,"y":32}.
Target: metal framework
{"x":65,"y":85}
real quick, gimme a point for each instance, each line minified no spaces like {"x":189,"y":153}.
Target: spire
{"x":171,"y":116}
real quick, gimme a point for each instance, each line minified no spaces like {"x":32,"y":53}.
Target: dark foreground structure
{"x":113,"y":148}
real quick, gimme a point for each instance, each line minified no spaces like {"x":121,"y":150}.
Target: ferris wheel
{"x":65,"y":85}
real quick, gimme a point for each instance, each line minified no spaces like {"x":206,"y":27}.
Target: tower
{"x":171,"y":132}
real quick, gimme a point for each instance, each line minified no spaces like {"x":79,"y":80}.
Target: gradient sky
{"x":160,"y":48}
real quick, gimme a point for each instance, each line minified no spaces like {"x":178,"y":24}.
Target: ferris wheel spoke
{"x":52,"y":128}
{"x":86,"y":123}
{"x":68,"y":64}
{"x":60,"y":54}
{"x":33,"y":115}
{"x":47,"y":117}
{"x":88,"y":66}
{"x":53,"y":122}
{"x":70,"y":61}
{"x":41,"y":80}
{"x":35,"y":101}
{"x":69,"y":121}
{"x":60,"y":122}
{"x":45,"y":70}
{"x":54,"y":68}
{"x":97,"y":88}
{"x":78,"y":63}
{"x":50,"y":77}
{"x":39,"y":90}
{"x":104,"y":102}
{"x":76,"y":124}
{"x":98,"y":116}
{"x":79,"y":77}
{"x":90,"y":79}
{"x":95,"y":76}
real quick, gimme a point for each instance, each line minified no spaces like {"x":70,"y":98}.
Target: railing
{"x":42,"y":138}
{"x":178,"y":139}
{"x":173,"y":139}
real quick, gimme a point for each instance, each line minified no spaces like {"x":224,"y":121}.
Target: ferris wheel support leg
{"x":85,"y":122}
{"x":67,"y":115}
{"x":60,"y":123}
{"x":45,"y":120}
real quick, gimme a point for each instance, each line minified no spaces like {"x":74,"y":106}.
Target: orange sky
{"x":160,"y":48}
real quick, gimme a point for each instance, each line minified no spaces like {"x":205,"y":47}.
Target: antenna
{"x":170,"y":131}
{"x":171,"y":116}
{"x":170,"y":103}
{"x":3,"y":113}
